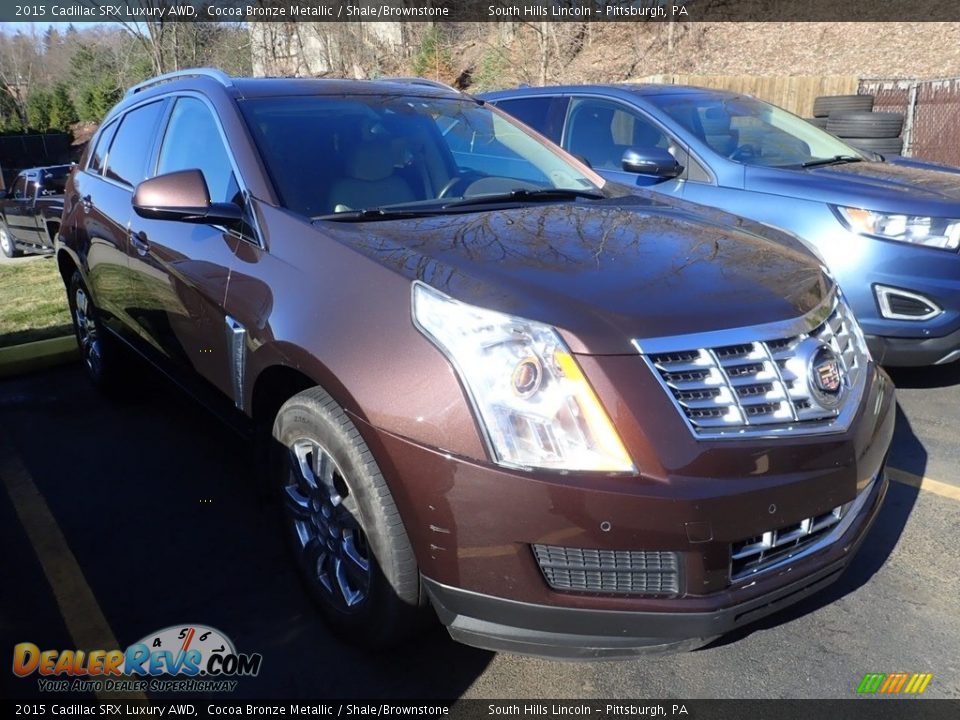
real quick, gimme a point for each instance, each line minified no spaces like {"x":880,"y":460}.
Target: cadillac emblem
{"x":827,"y":376}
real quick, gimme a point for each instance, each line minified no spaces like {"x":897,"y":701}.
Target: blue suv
{"x":889,"y":230}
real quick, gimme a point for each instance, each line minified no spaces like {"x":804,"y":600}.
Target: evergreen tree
{"x":9,"y":117}
{"x":62,"y":112}
{"x":38,"y":109}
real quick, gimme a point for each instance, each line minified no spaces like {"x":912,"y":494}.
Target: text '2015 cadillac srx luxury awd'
{"x":575,"y":419}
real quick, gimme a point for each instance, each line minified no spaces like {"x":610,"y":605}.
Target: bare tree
{"x":344,"y":49}
{"x":19,"y":63}
{"x":152,"y":35}
{"x":168,"y":44}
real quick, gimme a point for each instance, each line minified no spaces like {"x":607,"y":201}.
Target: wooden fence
{"x":795,"y":93}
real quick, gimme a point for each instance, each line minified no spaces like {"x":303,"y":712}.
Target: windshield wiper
{"x":518,"y":195}
{"x":835,"y":160}
{"x":522,"y":195}
{"x":374,"y":213}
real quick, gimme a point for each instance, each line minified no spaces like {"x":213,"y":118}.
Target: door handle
{"x":87,"y":202}
{"x":140,"y":242}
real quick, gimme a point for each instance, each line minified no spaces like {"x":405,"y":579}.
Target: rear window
{"x":98,"y":157}
{"x":543,"y":114}
{"x":55,"y":182}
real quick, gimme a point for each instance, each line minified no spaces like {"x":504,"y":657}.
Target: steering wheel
{"x":450,"y":185}
{"x":744,"y":152}
{"x":466,"y":178}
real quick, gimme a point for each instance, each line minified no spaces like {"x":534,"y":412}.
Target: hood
{"x":882,"y":186}
{"x":604,"y":272}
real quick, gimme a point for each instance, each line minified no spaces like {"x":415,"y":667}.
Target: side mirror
{"x":182,"y":196}
{"x":653,"y":161}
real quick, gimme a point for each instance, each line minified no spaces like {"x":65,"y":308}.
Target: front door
{"x":601,"y":131}
{"x":183,"y":270}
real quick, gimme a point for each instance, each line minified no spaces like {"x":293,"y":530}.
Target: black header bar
{"x":79,"y":11}
{"x":860,"y":709}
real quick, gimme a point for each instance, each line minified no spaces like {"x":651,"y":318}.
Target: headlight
{"x":933,"y":232}
{"x":536,"y":406}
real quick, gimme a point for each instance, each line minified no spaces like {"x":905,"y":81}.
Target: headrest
{"x":370,"y":161}
{"x":595,"y":119}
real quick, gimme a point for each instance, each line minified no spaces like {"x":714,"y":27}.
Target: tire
{"x":825,"y":105}
{"x":344,"y":529}
{"x":865,"y":124}
{"x":817,"y":122}
{"x":884,"y":146}
{"x":98,"y":349}
{"x":6,"y":241}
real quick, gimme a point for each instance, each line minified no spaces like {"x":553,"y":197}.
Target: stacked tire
{"x":851,"y":118}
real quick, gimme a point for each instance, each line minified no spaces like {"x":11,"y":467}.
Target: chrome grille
{"x":759,"y":553}
{"x":609,"y":571}
{"x":762,"y":383}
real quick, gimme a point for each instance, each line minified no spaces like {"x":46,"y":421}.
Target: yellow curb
{"x":36,"y":355}
{"x":924,"y":483}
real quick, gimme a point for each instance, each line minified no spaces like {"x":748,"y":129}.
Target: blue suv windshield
{"x":753,"y":132}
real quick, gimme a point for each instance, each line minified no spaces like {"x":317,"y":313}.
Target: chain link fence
{"x":931,"y":111}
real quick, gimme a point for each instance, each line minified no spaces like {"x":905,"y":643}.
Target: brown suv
{"x":575,"y":419}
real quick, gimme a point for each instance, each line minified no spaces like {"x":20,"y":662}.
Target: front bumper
{"x":915,"y":352}
{"x":499,"y":624}
{"x":474,"y":526}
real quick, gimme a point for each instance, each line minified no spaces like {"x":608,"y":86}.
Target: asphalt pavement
{"x":119,"y":518}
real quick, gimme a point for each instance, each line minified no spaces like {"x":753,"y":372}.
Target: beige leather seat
{"x":370,"y":179}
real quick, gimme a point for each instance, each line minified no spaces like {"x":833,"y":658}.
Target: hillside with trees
{"x":67,"y":80}
{"x":52,"y":80}
{"x":483,"y":56}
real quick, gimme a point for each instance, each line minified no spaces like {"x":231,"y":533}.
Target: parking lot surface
{"x":119,"y":518}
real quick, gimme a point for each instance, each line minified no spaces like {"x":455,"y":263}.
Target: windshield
{"x":753,"y":132}
{"x":335,"y":154}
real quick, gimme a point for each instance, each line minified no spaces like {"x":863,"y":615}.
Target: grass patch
{"x":33,"y":303}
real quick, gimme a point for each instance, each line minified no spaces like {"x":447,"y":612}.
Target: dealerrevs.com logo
{"x":188,"y":658}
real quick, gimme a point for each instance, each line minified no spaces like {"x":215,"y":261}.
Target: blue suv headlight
{"x":941,"y":233}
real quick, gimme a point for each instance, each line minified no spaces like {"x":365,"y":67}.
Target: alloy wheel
{"x":87,"y":334}
{"x":324,"y":520}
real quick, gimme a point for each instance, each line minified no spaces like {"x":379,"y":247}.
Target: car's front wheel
{"x":344,"y":528}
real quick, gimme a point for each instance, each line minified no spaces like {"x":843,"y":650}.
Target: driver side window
{"x":193,"y":141}
{"x":602,"y":131}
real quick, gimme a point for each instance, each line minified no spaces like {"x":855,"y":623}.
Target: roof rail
{"x":218,"y":75}
{"x":427,"y":82}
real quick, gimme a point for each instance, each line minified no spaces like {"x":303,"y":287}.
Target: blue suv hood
{"x":881,"y":186}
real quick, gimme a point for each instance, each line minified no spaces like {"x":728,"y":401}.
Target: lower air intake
{"x":636,"y":572}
